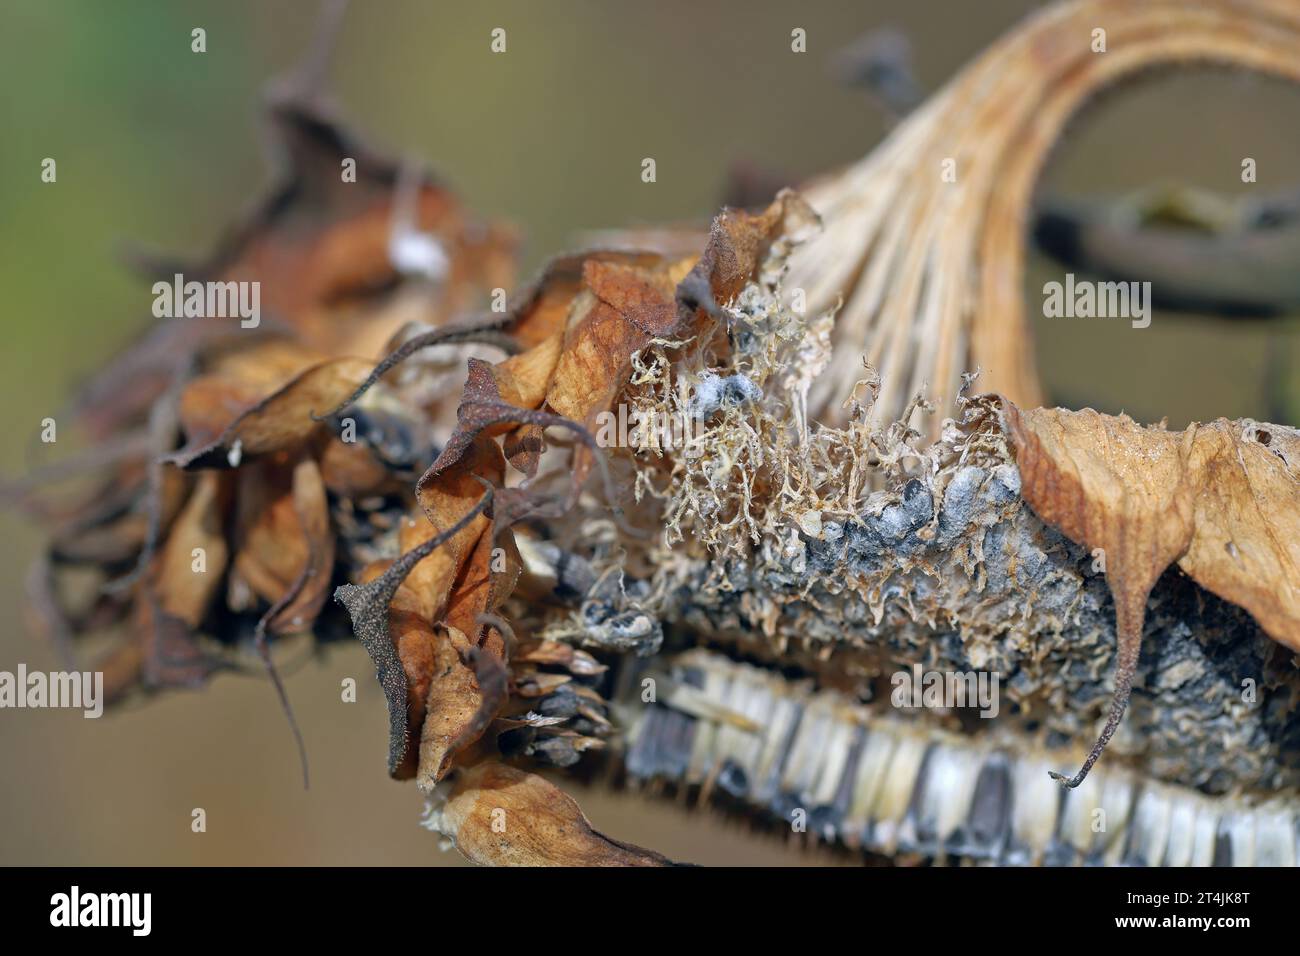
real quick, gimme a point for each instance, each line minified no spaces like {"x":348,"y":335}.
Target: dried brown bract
{"x":1222,"y":500}
{"x":499,"y":816}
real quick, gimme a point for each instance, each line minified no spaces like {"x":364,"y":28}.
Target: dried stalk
{"x":931,"y":272}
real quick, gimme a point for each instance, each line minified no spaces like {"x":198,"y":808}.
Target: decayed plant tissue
{"x":770,"y":513}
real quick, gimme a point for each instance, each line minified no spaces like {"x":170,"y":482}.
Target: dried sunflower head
{"x":465,"y":497}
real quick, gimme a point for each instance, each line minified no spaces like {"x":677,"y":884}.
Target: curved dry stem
{"x":945,"y":197}
{"x":488,"y":333}
{"x":264,"y":651}
{"x":1129,"y":631}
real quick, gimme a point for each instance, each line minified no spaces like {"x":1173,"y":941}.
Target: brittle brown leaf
{"x":596,"y":362}
{"x":485,"y":581}
{"x":483,"y":410}
{"x":280,"y":421}
{"x":457,"y":586}
{"x":235,"y":380}
{"x":452,"y":707}
{"x":443,"y":695}
{"x":417,"y":650}
{"x":298,"y":607}
{"x":643,"y":296}
{"x":597,"y":357}
{"x":500,"y":816}
{"x":271,"y":548}
{"x":739,"y":242}
{"x":1246,"y":546}
{"x":316,"y":241}
{"x":542,"y":309}
{"x":523,"y":448}
{"x":182,"y":591}
{"x":445,"y":499}
{"x":368,"y":606}
{"x":524,"y":379}
{"x":1216,"y":499}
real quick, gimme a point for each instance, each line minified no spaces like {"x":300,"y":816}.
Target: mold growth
{"x":853,"y":552}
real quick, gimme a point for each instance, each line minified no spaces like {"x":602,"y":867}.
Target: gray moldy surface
{"x":980,"y":584}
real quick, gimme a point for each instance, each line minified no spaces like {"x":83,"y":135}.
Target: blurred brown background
{"x":158,"y":145}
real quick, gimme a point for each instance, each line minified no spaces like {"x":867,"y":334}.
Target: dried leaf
{"x":485,"y":581}
{"x":541,"y":309}
{"x":457,"y":707}
{"x":458,"y":584}
{"x":280,"y":421}
{"x":499,"y":816}
{"x":316,"y":241}
{"x":268,"y":541}
{"x":416,"y":645}
{"x":483,"y":410}
{"x":740,"y":241}
{"x":182,"y":591}
{"x":445,"y":499}
{"x":1222,"y":500}
{"x":641,"y":295}
{"x":235,"y":380}
{"x":598,"y":348}
{"x":524,"y":379}
{"x":312,"y":579}
{"x":368,"y":606}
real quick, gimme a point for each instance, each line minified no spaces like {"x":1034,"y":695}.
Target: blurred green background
{"x":159,"y":146}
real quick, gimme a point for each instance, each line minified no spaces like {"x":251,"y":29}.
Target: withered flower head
{"x":460,"y":492}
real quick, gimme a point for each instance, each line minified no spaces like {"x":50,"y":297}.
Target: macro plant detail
{"x":390,"y":448}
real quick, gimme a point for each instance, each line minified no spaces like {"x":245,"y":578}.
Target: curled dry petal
{"x":499,"y":816}
{"x":182,"y":591}
{"x":281,"y":420}
{"x":368,"y":606}
{"x":284,"y":540}
{"x":468,"y":688}
{"x":311,"y":583}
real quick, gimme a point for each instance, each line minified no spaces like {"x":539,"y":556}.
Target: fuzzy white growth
{"x":713,"y":391}
{"x":432,"y":815}
{"x":418,"y":253}
{"x":412,"y":251}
